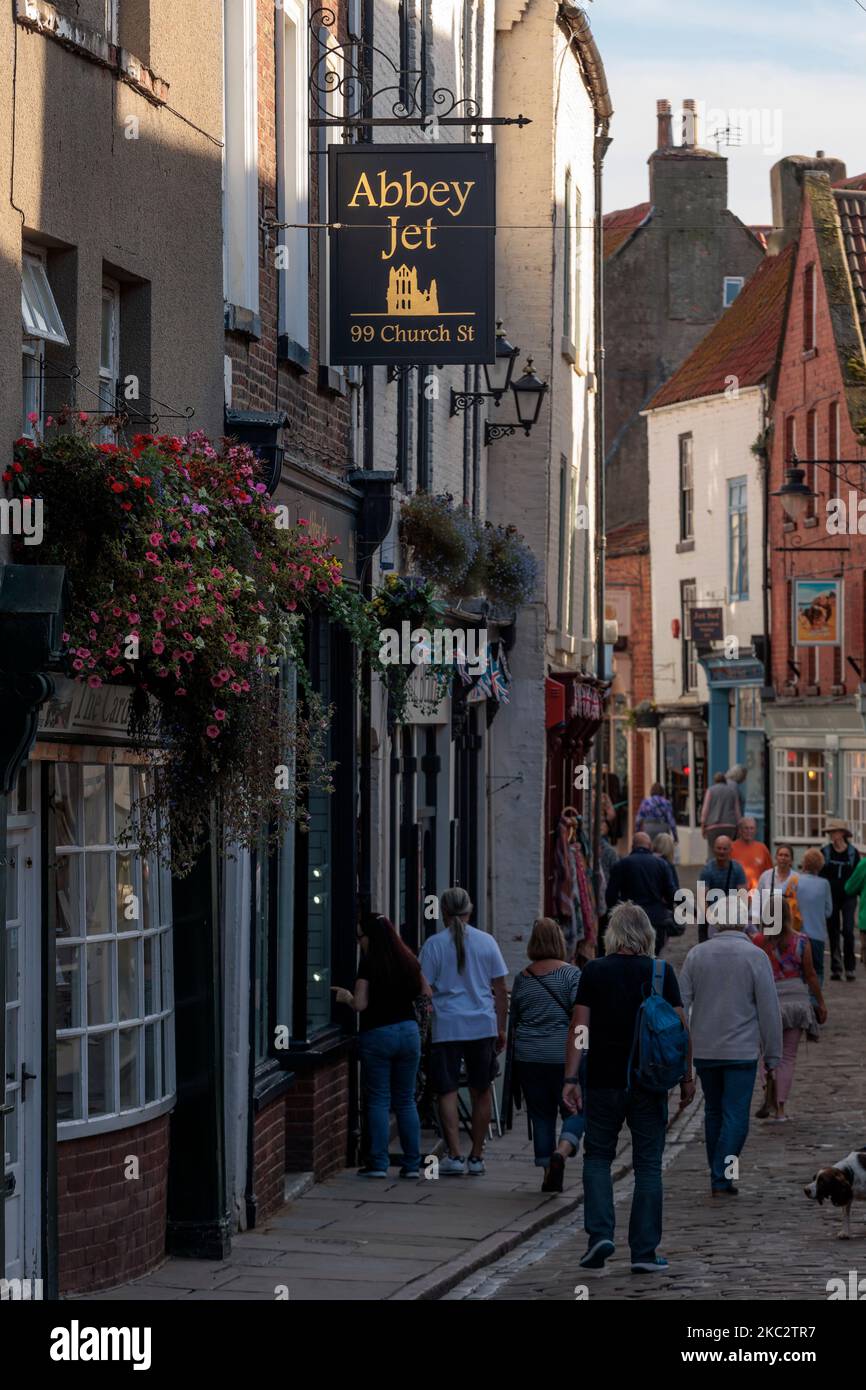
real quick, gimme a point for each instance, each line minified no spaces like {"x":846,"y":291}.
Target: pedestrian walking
{"x":608,"y":858}
{"x":841,"y":858}
{"x":750,"y":853}
{"x":610,"y":997}
{"x":733,"y":1011}
{"x":790,"y":955}
{"x":655,"y":814}
{"x":467,"y":975}
{"x":815,"y":901}
{"x":722,"y":873}
{"x":644,"y":879}
{"x":736,"y":777}
{"x":783,"y":879}
{"x":855,"y":885}
{"x":721,"y":811}
{"x":542,"y":999}
{"x":664,"y":847}
{"x":388,"y":984}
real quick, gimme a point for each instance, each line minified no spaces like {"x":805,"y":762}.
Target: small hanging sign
{"x":412,"y":256}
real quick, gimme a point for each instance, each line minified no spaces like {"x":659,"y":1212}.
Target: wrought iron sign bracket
{"x":343,"y":72}
{"x":465,"y":400}
{"x":492,"y":432}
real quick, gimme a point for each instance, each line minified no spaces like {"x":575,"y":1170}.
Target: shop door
{"x":22,"y":1148}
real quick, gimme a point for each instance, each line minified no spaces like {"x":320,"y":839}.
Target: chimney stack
{"x":690,"y":124}
{"x":665,"y":128}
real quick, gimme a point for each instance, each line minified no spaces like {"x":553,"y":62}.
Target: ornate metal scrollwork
{"x":349,"y":70}
{"x":493,"y":432}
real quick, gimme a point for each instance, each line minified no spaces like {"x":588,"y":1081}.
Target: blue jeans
{"x":389,"y":1066}
{"x":646,"y":1115}
{"x":727,"y":1088}
{"x":818,"y":962}
{"x":541,"y":1083}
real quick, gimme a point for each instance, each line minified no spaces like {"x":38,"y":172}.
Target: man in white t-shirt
{"x":467,"y":974}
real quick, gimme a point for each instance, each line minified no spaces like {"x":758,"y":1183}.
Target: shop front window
{"x":855,"y":795}
{"x":114,"y":1019}
{"x":676,"y":746}
{"x":799,"y":794}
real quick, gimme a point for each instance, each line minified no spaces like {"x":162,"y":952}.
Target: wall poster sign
{"x":411,"y":261}
{"x":817,"y":612}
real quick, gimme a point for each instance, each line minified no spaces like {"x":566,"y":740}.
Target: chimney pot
{"x":690,"y":123}
{"x":665,"y":125}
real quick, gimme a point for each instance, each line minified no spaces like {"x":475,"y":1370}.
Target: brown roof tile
{"x":632,"y":538}
{"x":744,"y":343}
{"x":619,"y":226}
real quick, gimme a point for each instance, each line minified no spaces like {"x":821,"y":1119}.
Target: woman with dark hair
{"x":388,"y":983}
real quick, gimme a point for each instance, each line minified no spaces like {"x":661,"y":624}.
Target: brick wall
{"x":269,"y":1142}
{"x":317,"y":1117}
{"x":814,"y":381}
{"x":111,"y":1227}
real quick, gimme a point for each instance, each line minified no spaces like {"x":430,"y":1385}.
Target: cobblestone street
{"x":770,"y":1243}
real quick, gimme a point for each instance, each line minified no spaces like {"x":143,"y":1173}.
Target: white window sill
{"x":108,"y":1124}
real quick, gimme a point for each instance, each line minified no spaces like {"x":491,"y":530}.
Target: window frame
{"x":729,"y":280}
{"x":855,"y":805}
{"x":688,"y":601}
{"x":240,"y":165}
{"x":794,"y":822}
{"x":109,"y":375}
{"x":32,"y":346}
{"x":738,"y":535}
{"x":161,"y":1019}
{"x":293,"y":172}
{"x":567,"y":252}
{"x":686,"y":494}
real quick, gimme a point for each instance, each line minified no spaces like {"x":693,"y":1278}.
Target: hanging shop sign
{"x":817,"y":612}
{"x":707,"y":625}
{"x":412,"y":254}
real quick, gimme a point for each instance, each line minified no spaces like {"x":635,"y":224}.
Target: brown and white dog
{"x":844,"y":1183}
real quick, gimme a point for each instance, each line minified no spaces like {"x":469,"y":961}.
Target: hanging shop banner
{"x":412,"y":256}
{"x":817,"y":612}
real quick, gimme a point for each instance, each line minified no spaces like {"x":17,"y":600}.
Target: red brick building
{"x":817,"y":550}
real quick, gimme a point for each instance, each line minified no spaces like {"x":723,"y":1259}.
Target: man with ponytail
{"x":467,"y":974}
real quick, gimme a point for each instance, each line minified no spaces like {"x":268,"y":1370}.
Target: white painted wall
{"x":723,"y":431}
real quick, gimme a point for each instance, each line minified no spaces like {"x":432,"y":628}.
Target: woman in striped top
{"x":542,"y":999}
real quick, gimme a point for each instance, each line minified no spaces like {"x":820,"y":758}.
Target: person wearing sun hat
{"x":841,"y":859}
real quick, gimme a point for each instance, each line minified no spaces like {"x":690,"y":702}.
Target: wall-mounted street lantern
{"x":796,"y":497}
{"x":497,"y":376}
{"x":529,"y":392}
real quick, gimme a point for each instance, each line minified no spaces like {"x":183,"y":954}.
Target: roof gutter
{"x":577,"y":23}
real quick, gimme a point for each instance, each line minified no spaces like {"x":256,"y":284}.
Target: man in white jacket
{"x":729,"y":995}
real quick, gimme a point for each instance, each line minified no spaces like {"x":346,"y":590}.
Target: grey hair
{"x":629,"y":929}
{"x":737,"y":773}
{"x":455,"y":903}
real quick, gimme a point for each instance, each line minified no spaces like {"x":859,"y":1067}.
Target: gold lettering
{"x":363,"y":184}
{"x":439,"y":194}
{"x":461,"y":201}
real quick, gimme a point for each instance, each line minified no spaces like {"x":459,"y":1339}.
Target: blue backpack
{"x":660,"y":1050}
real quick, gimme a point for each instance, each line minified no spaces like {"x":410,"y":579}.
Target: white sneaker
{"x":452,"y":1167}
{"x":476,"y":1168}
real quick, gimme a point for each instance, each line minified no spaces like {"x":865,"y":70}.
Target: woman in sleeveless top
{"x":790,"y":955}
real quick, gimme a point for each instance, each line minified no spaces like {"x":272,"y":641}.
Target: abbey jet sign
{"x":412,"y":258}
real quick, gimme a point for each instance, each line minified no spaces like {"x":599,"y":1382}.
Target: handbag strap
{"x":540,"y":979}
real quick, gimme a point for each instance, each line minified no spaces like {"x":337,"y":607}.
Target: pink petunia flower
{"x":212,"y":731}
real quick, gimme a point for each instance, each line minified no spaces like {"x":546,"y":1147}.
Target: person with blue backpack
{"x":628,"y":1018}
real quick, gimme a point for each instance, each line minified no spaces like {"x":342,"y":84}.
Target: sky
{"x":791,"y":74}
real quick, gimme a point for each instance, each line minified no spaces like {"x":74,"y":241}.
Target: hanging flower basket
{"x":510,"y":567}
{"x":185,"y":585}
{"x":445,"y":542}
